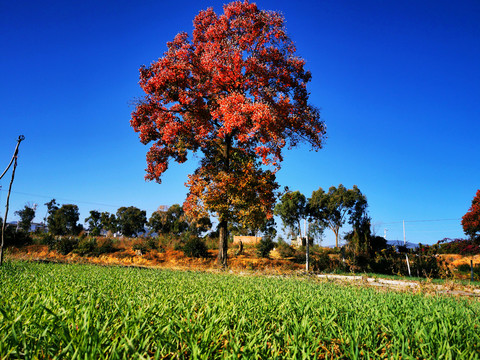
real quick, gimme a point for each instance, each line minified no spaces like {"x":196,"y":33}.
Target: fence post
{"x":408,"y":266}
{"x":471,"y":270}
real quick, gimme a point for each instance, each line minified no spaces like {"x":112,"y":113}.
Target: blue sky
{"x":398,"y":84}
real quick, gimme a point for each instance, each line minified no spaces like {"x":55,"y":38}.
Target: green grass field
{"x":93,"y":312}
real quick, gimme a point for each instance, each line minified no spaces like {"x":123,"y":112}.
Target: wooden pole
{"x":471,"y":270}
{"x":405,"y":245}
{"x":14,"y":159}
{"x":307,"y":260}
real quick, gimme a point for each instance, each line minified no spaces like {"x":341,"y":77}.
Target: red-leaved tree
{"x":235,"y":93}
{"x":471,"y":220}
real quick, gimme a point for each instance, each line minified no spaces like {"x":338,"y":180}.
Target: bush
{"x":424,"y":266}
{"x":152,"y":243}
{"x":65,"y":244}
{"x":389,"y":262}
{"x":321,"y":262}
{"x":47,"y":239}
{"x":195,"y":247}
{"x":178,"y":246}
{"x":285,"y":250}
{"x":146,"y":244}
{"x":141,"y":246}
{"x":265,"y":246}
{"x":465,"y":269}
{"x":12,"y":237}
{"x":86,"y":246}
{"x":212,"y":243}
{"x":105,"y":246}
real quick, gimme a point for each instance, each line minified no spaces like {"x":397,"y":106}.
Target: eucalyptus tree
{"x":337,"y":206}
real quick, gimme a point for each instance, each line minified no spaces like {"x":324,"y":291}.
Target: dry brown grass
{"x":174,"y":259}
{"x":456,"y":259}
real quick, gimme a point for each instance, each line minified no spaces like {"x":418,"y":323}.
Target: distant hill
{"x":397,"y":243}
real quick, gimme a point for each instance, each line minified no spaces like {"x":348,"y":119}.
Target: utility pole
{"x":307,"y":260}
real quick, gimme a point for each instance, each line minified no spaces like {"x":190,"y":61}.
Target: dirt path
{"x":448,"y":288}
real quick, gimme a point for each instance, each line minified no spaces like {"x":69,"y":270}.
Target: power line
{"x":72,"y":200}
{"x":380,"y":223}
{"x":64,"y":199}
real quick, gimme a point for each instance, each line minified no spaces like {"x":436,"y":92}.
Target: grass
{"x":91,"y":312}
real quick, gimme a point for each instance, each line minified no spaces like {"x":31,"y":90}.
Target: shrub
{"x":105,"y":246}
{"x":300,"y":254}
{"x":195,"y":247}
{"x":212,"y":243}
{"x":164,"y":240}
{"x":65,"y":244}
{"x":265,"y":246}
{"x":389,"y":262}
{"x":465,"y":268}
{"x":424,"y":266}
{"x":141,"y":246}
{"x":12,"y":237}
{"x":152,"y":243}
{"x":178,"y":246}
{"x":285,"y":250}
{"x":147,"y":244}
{"x":47,"y":239}
{"x":321,"y":262}
{"x":86,"y":246}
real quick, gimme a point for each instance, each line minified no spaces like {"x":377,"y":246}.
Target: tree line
{"x":323,"y":210}
{"x":363,"y":250}
{"x":128,"y":221}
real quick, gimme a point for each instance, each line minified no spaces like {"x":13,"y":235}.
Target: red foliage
{"x":236,"y":92}
{"x":471,"y":220}
{"x":456,"y":246}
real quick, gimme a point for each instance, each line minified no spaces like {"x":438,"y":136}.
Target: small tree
{"x":471,"y":220}
{"x":27,"y":214}
{"x":362,"y":241}
{"x":292,"y":209}
{"x":52,"y":221}
{"x":63,"y":220}
{"x":337,"y":206}
{"x":94,"y":222}
{"x":195,"y":247}
{"x":170,"y":221}
{"x":108,"y":222}
{"x":264,"y":247}
{"x":131,"y":220}
{"x":174,"y":221}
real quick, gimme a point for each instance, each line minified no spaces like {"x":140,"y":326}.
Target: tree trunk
{"x":222,"y":244}
{"x":336,"y":237}
{"x":223,"y":225}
